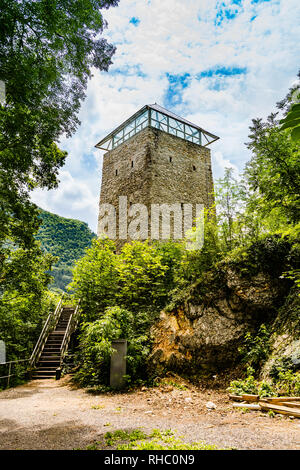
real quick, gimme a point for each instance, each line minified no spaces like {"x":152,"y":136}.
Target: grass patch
{"x":156,"y":440}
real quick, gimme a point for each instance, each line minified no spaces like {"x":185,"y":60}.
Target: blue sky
{"x":217,"y":63}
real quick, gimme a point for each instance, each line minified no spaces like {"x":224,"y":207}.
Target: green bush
{"x":287,"y":383}
{"x":256,"y":348}
{"x":140,"y":278}
{"x":96,"y":347}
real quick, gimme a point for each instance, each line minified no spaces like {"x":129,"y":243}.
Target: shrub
{"x":96,"y":347}
{"x":256,"y":348}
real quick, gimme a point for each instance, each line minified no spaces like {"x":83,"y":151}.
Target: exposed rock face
{"x":286,"y":336}
{"x":204,"y":333}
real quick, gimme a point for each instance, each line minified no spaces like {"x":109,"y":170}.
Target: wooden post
{"x":9,"y":371}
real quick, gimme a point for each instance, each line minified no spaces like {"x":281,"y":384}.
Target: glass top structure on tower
{"x":153,"y":115}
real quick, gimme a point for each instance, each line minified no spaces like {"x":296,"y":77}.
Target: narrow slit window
{"x":132,"y":164}
{"x":170,"y":159}
{"x":194,"y":168}
{"x":116,"y":172}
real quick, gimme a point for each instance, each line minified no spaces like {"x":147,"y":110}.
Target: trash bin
{"x":118,"y":363}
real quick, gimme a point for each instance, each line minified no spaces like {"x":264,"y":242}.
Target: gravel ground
{"x":46,"y":414}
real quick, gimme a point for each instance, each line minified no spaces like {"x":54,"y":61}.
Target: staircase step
{"x":47,"y":363}
{"x":55,"y":348}
{"x":43,"y":377}
{"x":51,"y":358}
{"x":47,"y":368}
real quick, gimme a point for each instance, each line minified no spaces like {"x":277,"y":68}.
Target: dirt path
{"x":47,"y":414}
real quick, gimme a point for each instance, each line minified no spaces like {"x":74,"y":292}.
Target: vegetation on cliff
{"x":65,"y":239}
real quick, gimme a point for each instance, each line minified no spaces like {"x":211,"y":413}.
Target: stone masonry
{"x":154,"y":167}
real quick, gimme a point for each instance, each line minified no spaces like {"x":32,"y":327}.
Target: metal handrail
{"x":50,"y":323}
{"x":9,"y":363}
{"x":72,"y":323}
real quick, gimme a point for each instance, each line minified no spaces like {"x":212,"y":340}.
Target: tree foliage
{"x":24,"y":299}
{"x":96,"y":346}
{"x":47,"y":51}
{"x":65,"y":239}
{"x":139,"y":278}
{"x":273,"y":173}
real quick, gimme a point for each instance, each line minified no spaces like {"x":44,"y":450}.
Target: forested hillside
{"x":66,"y":239}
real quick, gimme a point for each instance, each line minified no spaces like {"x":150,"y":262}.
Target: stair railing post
{"x":69,"y":330}
{"x":45,"y":333}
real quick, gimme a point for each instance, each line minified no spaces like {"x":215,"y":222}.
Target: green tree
{"x":96,"y":346}
{"x":273,"y":173}
{"x":230,"y":197}
{"x":24,"y":299}
{"x":47,"y":51}
{"x":140,"y":278}
{"x":291,"y":107}
{"x":95,"y":279}
{"x":292,"y":121}
{"x":65,"y":239}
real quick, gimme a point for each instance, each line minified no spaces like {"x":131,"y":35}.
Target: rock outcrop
{"x":203,"y":333}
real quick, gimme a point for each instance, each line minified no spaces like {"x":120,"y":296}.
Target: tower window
{"x":170,"y":158}
{"x":194,"y":168}
{"x":132,"y":164}
{"x":116,"y":172}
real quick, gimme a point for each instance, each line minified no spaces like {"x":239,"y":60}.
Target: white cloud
{"x":178,"y":37}
{"x":72,"y":199}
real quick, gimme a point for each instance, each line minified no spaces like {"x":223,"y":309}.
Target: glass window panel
{"x":158,"y":121}
{"x":118,"y":142}
{"x":129,"y":127}
{"x":163,"y":118}
{"x":191,"y":130}
{"x":158,"y":116}
{"x":154,"y":115}
{"x":155,"y":124}
{"x":119,"y":135}
{"x":163,"y":127}
{"x":142,"y":118}
{"x":173,"y":123}
{"x":176,"y":124}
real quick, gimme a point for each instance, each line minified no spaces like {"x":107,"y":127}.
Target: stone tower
{"x":154,"y":158}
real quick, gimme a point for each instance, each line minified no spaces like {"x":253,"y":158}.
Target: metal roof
{"x":162,"y":110}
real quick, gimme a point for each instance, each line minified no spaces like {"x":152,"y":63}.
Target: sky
{"x":216,"y":63}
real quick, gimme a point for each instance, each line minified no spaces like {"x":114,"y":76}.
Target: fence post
{"x":9,"y":371}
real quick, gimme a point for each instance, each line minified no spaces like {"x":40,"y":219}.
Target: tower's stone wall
{"x":154,"y":167}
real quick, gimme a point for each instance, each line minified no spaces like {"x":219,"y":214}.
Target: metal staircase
{"x":52,"y":345}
